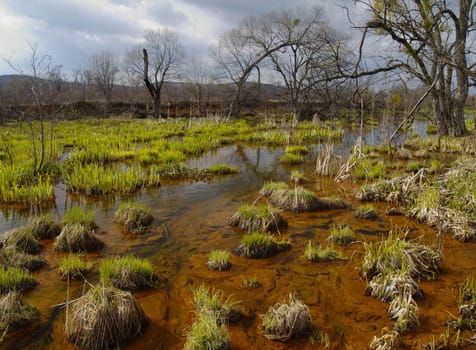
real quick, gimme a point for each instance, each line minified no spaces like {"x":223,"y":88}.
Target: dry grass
{"x":14,"y":313}
{"x":13,"y":257}
{"x":387,"y":341}
{"x":286,"y":321}
{"x":404,"y":311}
{"x":135,"y":217}
{"x":44,"y":227}
{"x":22,"y":239}
{"x":271,"y":187}
{"x":77,"y":238}
{"x":104,"y":318}
{"x":258,"y":218}
{"x":386,"y":287}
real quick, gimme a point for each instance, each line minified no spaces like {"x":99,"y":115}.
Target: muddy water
{"x":191,"y":220}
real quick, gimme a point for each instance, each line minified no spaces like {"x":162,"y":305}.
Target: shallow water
{"x":196,"y":214}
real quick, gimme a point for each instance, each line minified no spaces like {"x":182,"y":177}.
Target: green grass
{"x":259,"y":218}
{"x":299,"y":150}
{"x":342,"y":235}
{"x":316,"y":253}
{"x":297,"y":177}
{"x":15,"y":279}
{"x":258,"y":245}
{"x":367,"y":169}
{"x":77,"y":238}
{"x":271,"y":187}
{"x":80,"y":216}
{"x":207,"y":333}
{"x":219,"y":260}
{"x":214,"y":303}
{"x":250,"y":282}
{"x":134,"y":216}
{"x":127,"y":273}
{"x":413,"y":167}
{"x":366,"y":211}
{"x":297,"y":199}
{"x":291,"y":159}
{"x":72,"y":266}
{"x":222,"y":169}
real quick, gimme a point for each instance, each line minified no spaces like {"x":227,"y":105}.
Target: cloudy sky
{"x":71,"y":30}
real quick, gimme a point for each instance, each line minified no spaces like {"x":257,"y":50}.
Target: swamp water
{"x":190,"y":220}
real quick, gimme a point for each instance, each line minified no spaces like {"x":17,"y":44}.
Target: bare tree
{"x":158,"y":59}
{"x":103,"y":71}
{"x":431,"y":44}
{"x":200,"y":80}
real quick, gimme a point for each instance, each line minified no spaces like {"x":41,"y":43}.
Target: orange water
{"x":196,"y":216}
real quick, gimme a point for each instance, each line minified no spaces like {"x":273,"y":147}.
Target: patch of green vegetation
{"x":134,"y":216}
{"x":44,"y":227}
{"x":299,"y":150}
{"x":297,"y":177}
{"x":261,"y":218}
{"x":271,"y":187}
{"x":207,"y":333}
{"x":366,"y":211}
{"x":213,"y":302}
{"x":80,"y":216}
{"x":14,"y":313}
{"x":22,"y":239}
{"x":413,"y":167}
{"x":342,"y":235}
{"x":367,"y":169}
{"x":219,"y":260}
{"x":316,"y":253}
{"x":15,"y":279}
{"x":291,"y":159}
{"x":250,"y":282}
{"x":77,"y":238}
{"x":258,"y":245}
{"x":222,"y":169}
{"x":127,"y":273}
{"x":73,"y":267}
{"x":13,"y":257}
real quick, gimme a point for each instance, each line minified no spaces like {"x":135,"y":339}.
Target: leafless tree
{"x":200,"y":81}
{"x":431,"y":43}
{"x":156,"y":60}
{"x":103,"y":71}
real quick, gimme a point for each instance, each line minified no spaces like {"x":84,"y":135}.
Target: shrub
{"x":219,"y":260}
{"x":316,"y":253}
{"x":135,"y":217}
{"x":342,"y":235}
{"x":77,"y":238}
{"x":15,"y":279}
{"x":14,"y":313}
{"x":285,"y":321}
{"x":73,"y":267}
{"x":104,"y":318}
{"x":260,"y":218}
{"x":128,"y":273}
{"x":258,"y":245}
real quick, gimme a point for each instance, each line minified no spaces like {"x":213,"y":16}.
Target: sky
{"x":73,"y":30}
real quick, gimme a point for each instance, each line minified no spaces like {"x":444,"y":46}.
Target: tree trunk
{"x":156,"y":101}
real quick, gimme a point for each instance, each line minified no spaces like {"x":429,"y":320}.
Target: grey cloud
{"x":165,"y":14}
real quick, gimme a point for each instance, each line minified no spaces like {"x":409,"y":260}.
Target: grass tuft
{"x":366,"y":211}
{"x":135,"y":217}
{"x":73,"y":267}
{"x":207,"y":334}
{"x":77,"y":238}
{"x":316,"y":253}
{"x":127,"y":273}
{"x":212,"y":302}
{"x":258,"y":245}
{"x":14,"y":313}
{"x":219,"y":260}
{"x":260,"y":218}
{"x":44,"y":227}
{"x":15,"y":279}
{"x":342,"y":235}
{"x":78,"y":215}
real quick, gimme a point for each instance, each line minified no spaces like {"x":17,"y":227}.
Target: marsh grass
{"x":14,"y":313}
{"x":214,"y":303}
{"x":297,"y":199}
{"x":13,"y":257}
{"x":366,"y":211}
{"x":15,"y":279}
{"x":134,"y":216}
{"x":77,"y":215}
{"x":104,"y":318}
{"x":387,"y":341}
{"x":207,"y":334}
{"x":22,"y":239}
{"x":367,"y":169}
{"x":271,"y":187}
{"x":299,"y":150}
{"x":390,"y":284}
{"x":250,"y":282}
{"x":467,"y":292}
{"x":316,"y":253}
{"x":259,"y":245}
{"x":285,"y":321}
{"x":342,"y":235}
{"x":128,"y":273}
{"x":77,"y":238}
{"x":404,"y":311}
{"x":297,"y":177}
{"x":44,"y":227}
{"x":73,"y":267}
{"x":292,"y":159}
{"x":260,"y":218}
{"x":413,"y":167}
{"x":218,"y":260}
{"x":222,"y":169}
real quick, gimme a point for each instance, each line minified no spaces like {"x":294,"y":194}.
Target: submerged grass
{"x":259,"y":245}
{"x":127,"y":273}
{"x":316,"y":253}
{"x":259,"y":218}
{"x":104,"y":318}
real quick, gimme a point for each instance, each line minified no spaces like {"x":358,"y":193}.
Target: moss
{"x":258,"y":245}
{"x":262,"y":218}
{"x":104,"y":318}
{"x":219,"y":260}
{"x":128,"y":273}
{"x":135,"y":217}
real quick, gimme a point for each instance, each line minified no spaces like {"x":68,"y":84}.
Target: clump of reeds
{"x":404,"y":311}
{"x":214,"y":303}
{"x":15,"y":279}
{"x":104,"y":318}
{"x":78,"y":215}
{"x":366,"y":211}
{"x":22,"y":239}
{"x":260,"y":218}
{"x":222,"y":169}
{"x":297,"y":177}
{"x":387,"y":341}
{"x":13,"y":257}
{"x":207,"y":334}
{"x":297,"y":199}
{"x":271,"y":187}
{"x":44,"y":227}
{"x":73,"y":267}
{"x":258,"y":245}
{"x":342,"y":235}
{"x":14,"y":313}
{"x":285,"y":321}
{"x":219,"y":260}
{"x":316,"y":253}
{"x":135,"y":217}
{"x":77,"y":238}
{"x":291,"y":159}
{"x":387,"y":286}
{"x":128,"y":273}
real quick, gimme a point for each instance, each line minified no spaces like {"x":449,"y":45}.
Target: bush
{"x":104,"y":318}
{"x":128,"y":273}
